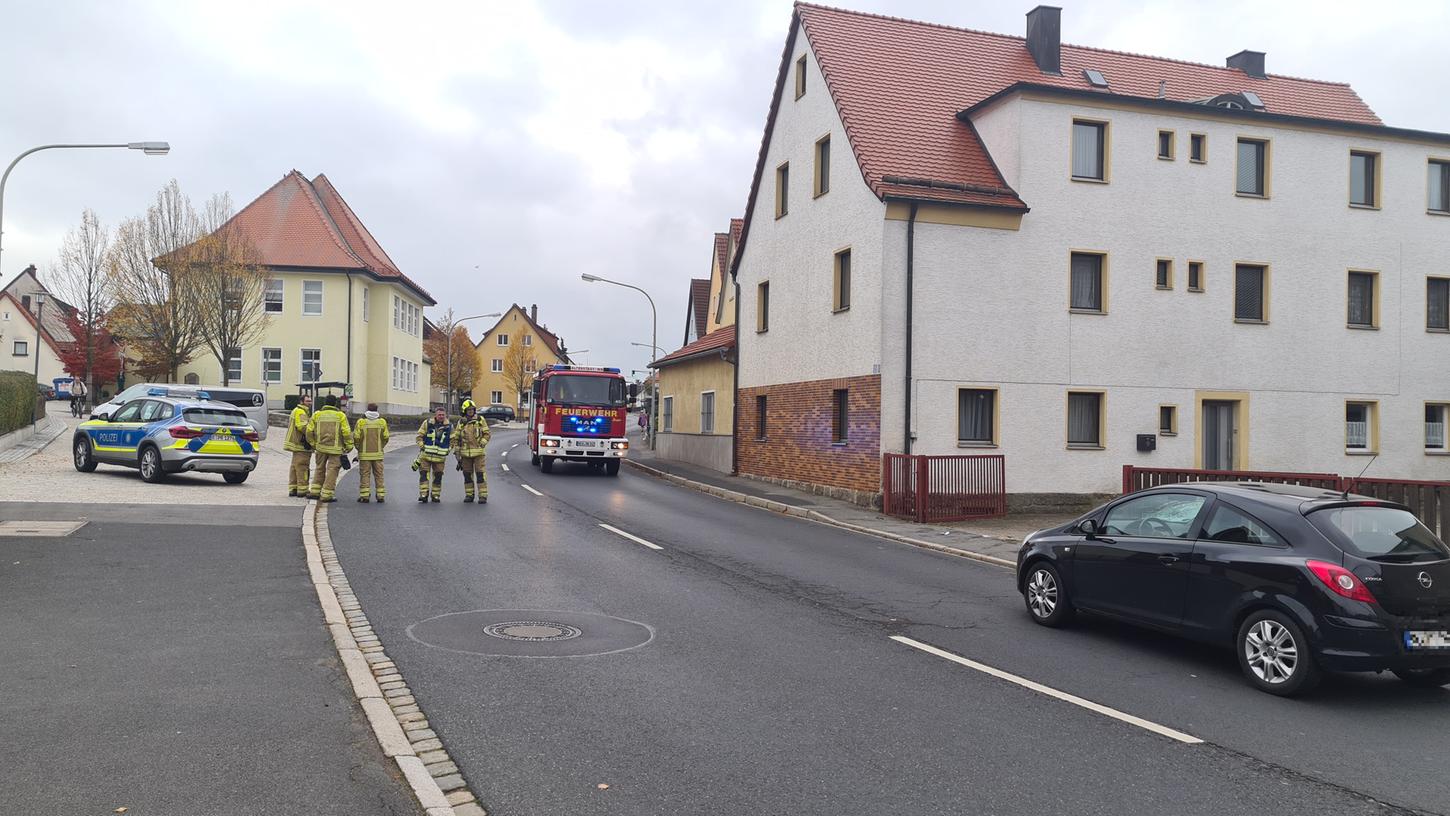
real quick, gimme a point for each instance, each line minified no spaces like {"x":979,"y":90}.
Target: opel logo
{"x":1426,"y":581}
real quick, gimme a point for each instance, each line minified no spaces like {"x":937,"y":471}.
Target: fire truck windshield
{"x":576,"y":389}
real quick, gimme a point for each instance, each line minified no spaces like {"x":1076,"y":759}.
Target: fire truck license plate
{"x":581,"y":443}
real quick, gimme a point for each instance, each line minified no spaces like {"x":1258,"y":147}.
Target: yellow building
{"x":337,"y":306}
{"x":538,"y":346}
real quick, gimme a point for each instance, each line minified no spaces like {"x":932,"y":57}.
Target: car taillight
{"x":183,"y":432}
{"x":1341,"y":580}
{"x":251,"y":436}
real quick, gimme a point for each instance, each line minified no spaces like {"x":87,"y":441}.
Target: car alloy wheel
{"x":85,"y":460}
{"x":1046,"y":598}
{"x":1274,"y":654}
{"x":151,"y":465}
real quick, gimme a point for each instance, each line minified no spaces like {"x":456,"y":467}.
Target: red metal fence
{"x":943,"y":488}
{"x":1429,"y":501}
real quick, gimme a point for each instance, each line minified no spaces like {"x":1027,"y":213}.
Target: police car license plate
{"x":1431,"y":639}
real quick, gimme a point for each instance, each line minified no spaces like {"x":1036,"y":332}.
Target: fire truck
{"x":577,"y":414}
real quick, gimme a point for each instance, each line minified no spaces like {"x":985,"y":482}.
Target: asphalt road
{"x":770,"y":682}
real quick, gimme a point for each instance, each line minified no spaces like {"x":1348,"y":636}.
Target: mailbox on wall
{"x":1147,"y":443}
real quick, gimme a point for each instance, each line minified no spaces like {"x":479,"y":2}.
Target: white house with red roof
{"x":23,"y":336}
{"x":338,"y":308}
{"x":960,"y":242}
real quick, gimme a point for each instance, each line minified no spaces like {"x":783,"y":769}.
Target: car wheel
{"x":235,"y":478}
{"x":612,"y":468}
{"x":85,"y":458}
{"x":1046,"y":598}
{"x":547,"y":464}
{"x":535,"y":460}
{"x":151,"y":469}
{"x":1424,"y":678}
{"x":1274,"y":654}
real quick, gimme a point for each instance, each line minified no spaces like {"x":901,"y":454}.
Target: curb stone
{"x":401,"y":729}
{"x":817,"y":516}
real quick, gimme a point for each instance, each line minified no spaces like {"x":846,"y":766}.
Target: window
{"x":273,"y":296}
{"x":311,"y":365}
{"x":1439,"y":195}
{"x":271,"y":365}
{"x":1250,"y":293}
{"x":502,"y":339}
{"x":234,"y":366}
{"x":1363,"y":308}
{"x":1229,"y":525}
{"x":667,"y":414}
{"x":495,"y":397}
{"x":1084,"y":419}
{"x":1364,"y":178}
{"x":1163,"y":277}
{"x":1198,"y":148}
{"x":1435,"y":439}
{"x":21,"y":348}
{"x":152,"y":410}
{"x":130,"y":412}
{"x":1161,"y":515}
{"x":842,"y":281}
{"x":405,"y":375}
{"x":497,"y":365}
{"x":760,"y":409}
{"x":1437,"y":304}
{"x":1195,"y":276}
{"x":782,"y":190}
{"x":840,"y":419}
{"x":1168,"y":420}
{"x":1361,"y":431}
{"x":762,"y":307}
{"x":312,"y":297}
{"x":1089,"y":154}
{"x":1165,"y":144}
{"x":528,"y":339}
{"x":707,"y":412}
{"x":529,"y":364}
{"x":823,"y":166}
{"x":1087,"y":282}
{"x":366,"y":302}
{"x":397,"y":374}
{"x":976,"y":417}
{"x":397,"y":312}
{"x":1252,"y":175}
{"x":800,"y":77}
{"x":523,"y":398}
{"x":412,"y":377}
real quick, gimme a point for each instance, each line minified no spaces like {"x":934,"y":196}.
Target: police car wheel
{"x":151,"y":469}
{"x":235,"y":478}
{"x":85,"y":458}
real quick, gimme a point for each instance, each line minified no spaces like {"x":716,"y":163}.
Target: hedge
{"x":17,"y":400}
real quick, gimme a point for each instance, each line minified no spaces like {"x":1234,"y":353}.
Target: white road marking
{"x":1052,"y":692}
{"x":531,"y":490}
{"x":636,"y":539}
{"x":506,"y":453}
{"x":505,"y":468}
{"x":515,"y":445}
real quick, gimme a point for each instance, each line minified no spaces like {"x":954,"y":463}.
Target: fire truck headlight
{"x":619,"y":445}
{"x":550,"y":443}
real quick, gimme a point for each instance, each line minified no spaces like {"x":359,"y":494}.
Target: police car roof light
{"x":203,"y":395}
{"x":156,"y":392}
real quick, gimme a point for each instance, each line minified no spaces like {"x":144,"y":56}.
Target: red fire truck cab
{"x":577,"y":414}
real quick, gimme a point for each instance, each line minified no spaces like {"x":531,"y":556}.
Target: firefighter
{"x":332,"y":439}
{"x":299,"y":474}
{"x":471,"y":443}
{"x":371,"y":437}
{"x":435,"y":437}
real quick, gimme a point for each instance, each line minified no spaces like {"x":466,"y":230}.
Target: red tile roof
{"x":551,"y":340}
{"x":725,"y":244}
{"x":718,"y":340}
{"x":700,"y":304}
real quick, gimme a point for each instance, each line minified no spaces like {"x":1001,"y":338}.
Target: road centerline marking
{"x":505,"y":468}
{"x":636,"y":539}
{"x":506,"y":453}
{"x":1161,"y":730}
{"x":531,"y":490}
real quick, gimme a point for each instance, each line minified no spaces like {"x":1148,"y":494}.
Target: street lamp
{"x":573,"y":352}
{"x":39,"y":300}
{"x":149,"y":148}
{"x":451,"y":326}
{"x":648,"y":345}
{"x":653,"y":338}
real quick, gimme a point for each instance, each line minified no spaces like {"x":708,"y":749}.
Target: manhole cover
{"x":534,"y":631}
{"x":530,"y":633}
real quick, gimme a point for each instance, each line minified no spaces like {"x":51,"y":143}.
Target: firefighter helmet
{"x":469,"y":406}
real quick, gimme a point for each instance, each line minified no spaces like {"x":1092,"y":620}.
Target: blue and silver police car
{"x":159,"y":434}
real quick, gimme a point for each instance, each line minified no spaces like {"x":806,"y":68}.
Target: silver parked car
{"x":159,"y":434}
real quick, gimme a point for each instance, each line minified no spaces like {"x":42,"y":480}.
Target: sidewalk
{"x":57,"y":421}
{"x":996,"y":540}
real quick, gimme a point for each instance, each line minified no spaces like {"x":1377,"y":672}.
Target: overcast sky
{"x":497,"y":150}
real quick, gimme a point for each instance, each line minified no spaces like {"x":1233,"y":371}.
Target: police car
{"x":160,"y":434}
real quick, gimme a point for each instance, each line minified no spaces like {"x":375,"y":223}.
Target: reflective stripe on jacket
{"x":434,"y":438}
{"x":473,"y":435}
{"x":328,"y":432}
{"x":297,"y":430}
{"x":371,"y":438}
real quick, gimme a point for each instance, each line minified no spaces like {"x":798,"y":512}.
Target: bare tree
{"x":455,"y":361}
{"x":155,"y":311}
{"x":81,"y":279}
{"x":518,"y":370}
{"x":227,"y":284}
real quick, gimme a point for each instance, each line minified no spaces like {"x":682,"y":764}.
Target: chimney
{"x":1044,"y":38}
{"x":1250,"y":62}
{"x":534,"y":312}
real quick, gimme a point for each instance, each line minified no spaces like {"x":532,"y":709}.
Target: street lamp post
{"x":39,"y":300}
{"x":451,"y":326}
{"x":650,"y":346}
{"x":653,"y":341}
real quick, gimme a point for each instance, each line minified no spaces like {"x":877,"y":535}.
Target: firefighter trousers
{"x":299,"y":475}
{"x":475,"y":482}
{"x":370,"y":471}
{"x":324,"y":478}
{"x":430,"y":479}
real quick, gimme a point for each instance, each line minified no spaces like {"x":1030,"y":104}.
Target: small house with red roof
{"x":959,"y":241}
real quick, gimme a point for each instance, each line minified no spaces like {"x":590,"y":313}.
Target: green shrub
{"x":17,"y":400}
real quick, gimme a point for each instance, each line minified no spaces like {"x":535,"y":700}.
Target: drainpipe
{"x":910,"y":260}
{"x":349,"y":329}
{"x":735,"y":414}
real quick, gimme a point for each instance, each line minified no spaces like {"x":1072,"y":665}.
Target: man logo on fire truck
{"x":577,"y":414}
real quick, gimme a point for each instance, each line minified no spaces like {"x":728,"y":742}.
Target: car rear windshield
{"x":214,"y":416}
{"x":586,"y":390}
{"x":1379,"y":533}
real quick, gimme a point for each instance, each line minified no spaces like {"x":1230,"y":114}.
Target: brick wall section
{"x":798,"y":446}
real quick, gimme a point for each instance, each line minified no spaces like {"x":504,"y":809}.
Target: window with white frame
{"x":366,"y":302}
{"x":502,"y":339}
{"x":1435,"y":438}
{"x":528,"y":339}
{"x":495,"y":397}
{"x":271,"y":365}
{"x":311,"y":365}
{"x":1359,"y":427}
{"x":497,"y":365}
{"x":397,"y":374}
{"x":397,"y":312}
{"x":21,"y":348}
{"x":707,"y":412}
{"x":273,"y":296}
{"x":667,"y":414}
{"x":234,"y":366}
{"x":523,"y":398}
{"x":312,"y":297}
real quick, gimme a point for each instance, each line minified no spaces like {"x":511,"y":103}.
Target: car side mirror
{"x":1089,"y":528}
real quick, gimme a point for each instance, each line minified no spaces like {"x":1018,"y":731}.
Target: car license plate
{"x":581,"y":443}
{"x":1427,"y":639}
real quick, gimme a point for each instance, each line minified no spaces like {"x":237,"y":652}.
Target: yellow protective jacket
{"x":297,"y":430}
{"x":434,"y":439}
{"x":328,"y":432}
{"x":471,"y":437}
{"x":371,"y":437}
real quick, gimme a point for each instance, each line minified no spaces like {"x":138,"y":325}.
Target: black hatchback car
{"x":1298,"y":580}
